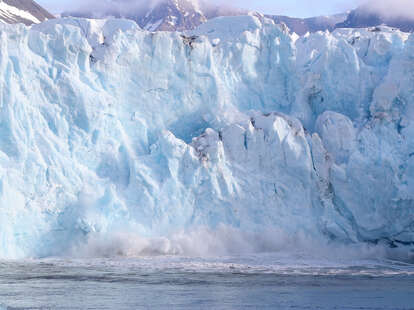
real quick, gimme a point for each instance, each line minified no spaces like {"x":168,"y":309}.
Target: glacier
{"x":109,"y":132}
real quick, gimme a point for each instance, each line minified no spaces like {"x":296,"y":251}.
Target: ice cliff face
{"x":107,"y":128}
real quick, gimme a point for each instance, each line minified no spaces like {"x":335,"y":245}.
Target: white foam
{"x":288,"y":250}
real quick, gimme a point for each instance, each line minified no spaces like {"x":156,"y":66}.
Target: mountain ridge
{"x":180,"y":15}
{"x":362,"y":17}
{"x":27,"y":12}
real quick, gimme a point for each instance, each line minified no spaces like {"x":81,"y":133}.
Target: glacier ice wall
{"x":105,"y":128}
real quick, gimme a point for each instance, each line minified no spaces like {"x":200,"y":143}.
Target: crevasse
{"x":105,"y":128}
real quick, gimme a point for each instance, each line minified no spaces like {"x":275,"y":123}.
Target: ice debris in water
{"x":106,"y":128}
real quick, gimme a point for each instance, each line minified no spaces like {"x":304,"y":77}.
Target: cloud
{"x":391,"y":9}
{"x":403,"y":9}
{"x":295,"y":8}
{"x":117,"y":5}
{"x":110,"y":6}
{"x":127,"y":8}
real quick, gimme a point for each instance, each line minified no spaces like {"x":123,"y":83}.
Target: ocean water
{"x":172,"y":282}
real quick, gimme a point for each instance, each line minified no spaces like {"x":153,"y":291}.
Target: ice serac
{"x":106,"y":128}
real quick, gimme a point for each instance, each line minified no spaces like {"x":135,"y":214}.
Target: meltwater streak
{"x":242,"y":282}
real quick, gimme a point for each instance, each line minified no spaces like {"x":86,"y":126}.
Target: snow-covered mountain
{"x":165,"y":15}
{"x":237,"y":136}
{"x":179,"y":15}
{"x":171,"y":15}
{"x":22,"y":11}
{"x":365,"y":17}
{"x":303,"y":25}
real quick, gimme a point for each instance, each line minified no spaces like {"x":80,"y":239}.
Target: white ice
{"x":107,"y":129}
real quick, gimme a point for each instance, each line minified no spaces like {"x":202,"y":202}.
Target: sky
{"x":295,"y":8}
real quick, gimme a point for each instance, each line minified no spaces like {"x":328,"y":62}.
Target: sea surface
{"x":172,"y":282}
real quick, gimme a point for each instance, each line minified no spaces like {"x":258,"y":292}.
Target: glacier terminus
{"x":238,"y":136}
